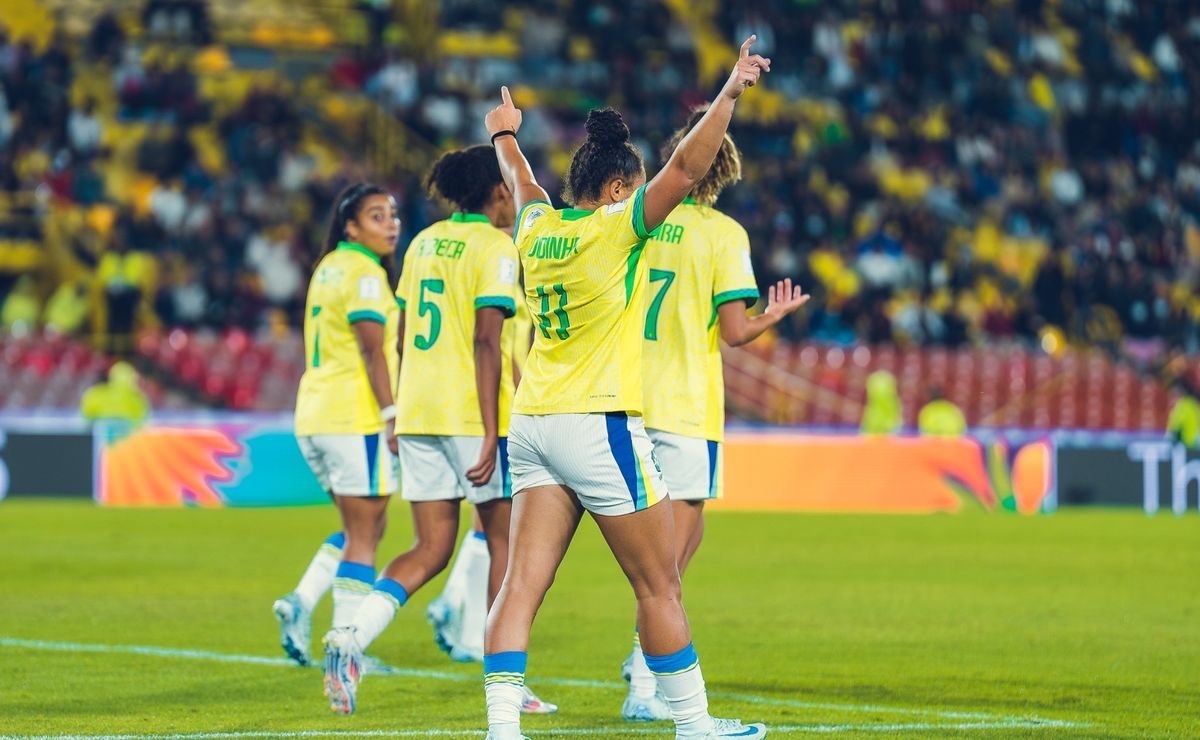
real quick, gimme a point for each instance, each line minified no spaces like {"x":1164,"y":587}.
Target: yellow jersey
{"x":451,"y":270}
{"x":585,"y":286}
{"x":335,"y":396}
{"x":698,"y":259}
{"x":522,"y":335}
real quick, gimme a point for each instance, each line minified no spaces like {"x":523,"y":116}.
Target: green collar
{"x":690,"y":201}
{"x":461,"y":217}
{"x":574,"y":214}
{"x":352,"y":247}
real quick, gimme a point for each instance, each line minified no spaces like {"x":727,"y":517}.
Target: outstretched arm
{"x":737,"y":328}
{"x":695,"y":154}
{"x":515,"y":169}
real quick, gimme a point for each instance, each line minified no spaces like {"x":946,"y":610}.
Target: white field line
{"x":983,"y":721}
{"x":605,"y":731}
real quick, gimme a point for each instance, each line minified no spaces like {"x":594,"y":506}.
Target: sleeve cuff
{"x":504,"y":303}
{"x":749,"y":295}
{"x":357,"y":316}
{"x":639,"y":215}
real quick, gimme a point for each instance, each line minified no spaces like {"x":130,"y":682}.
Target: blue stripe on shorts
{"x":505,"y":471}
{"x":712,"y":467}
{"x":372,"y":442}
{"x":620,"y":441}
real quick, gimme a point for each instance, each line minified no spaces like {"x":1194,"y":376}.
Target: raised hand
{"x":747,"y":71}
{"x":783,"y":299}
{"x":504,"y":117}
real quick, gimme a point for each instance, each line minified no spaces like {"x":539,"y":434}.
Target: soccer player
{"x":577,"y":440}
{"x":457,"y":287}
{"x":701,"y":282}
{"x":345,"y":413}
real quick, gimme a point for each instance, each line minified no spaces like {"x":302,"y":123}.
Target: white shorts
{"x":692,"y":466}
{"x":606,"y":459}
{"x":433,"y":468}
{"x":351,"y":464}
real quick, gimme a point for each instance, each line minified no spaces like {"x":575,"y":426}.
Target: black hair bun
{"x":605,"y":127}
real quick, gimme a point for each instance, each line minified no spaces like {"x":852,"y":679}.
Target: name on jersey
{"x":448,"y":248}
{"x":554,"y":247}
{"x":668,"y":233}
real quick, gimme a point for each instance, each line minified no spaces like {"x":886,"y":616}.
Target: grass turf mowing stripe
{"x":985,"y":721}
{"x":624,"y":730}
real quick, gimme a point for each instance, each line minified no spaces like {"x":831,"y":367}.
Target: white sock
{"x":642,"y":682}
{"x":682,"y":684}
{"x":476,"y":569}
{"x":318,"y":578}
{"x":350,"y":587}
{"x":377,"y":611}
{"x":457,"y":583}
{"x":503,"y":685}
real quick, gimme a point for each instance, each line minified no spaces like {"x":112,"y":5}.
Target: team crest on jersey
{"x":370,"y":288}
{"x":533,"y":214}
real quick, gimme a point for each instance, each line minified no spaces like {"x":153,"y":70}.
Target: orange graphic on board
{"x":166,"y":467}
{"x":882,"y":474}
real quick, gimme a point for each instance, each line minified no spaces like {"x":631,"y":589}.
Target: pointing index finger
{"x":745,"y":50}
{"x":504,"y":96}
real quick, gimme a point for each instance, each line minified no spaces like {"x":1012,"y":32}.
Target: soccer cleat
{"x":493,"y":736}
{"x":531,"y":704}
{"x":735,"y":728}
{"x":627,"y":668}
{"x":464,"y":655}
{"x":295,"y":627}
{"x":343,"y":667}
{"x":646,"y":709}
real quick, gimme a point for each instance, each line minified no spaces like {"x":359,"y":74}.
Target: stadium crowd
{"x":939,"y":172}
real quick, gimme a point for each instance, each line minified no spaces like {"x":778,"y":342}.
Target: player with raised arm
{"x":701,"y":282}
{"x":345,"y":413}
{"x":577,"y":440}
{"x":457,"y":287}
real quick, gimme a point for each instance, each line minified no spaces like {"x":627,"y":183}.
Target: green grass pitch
{"x":1084,"y":624}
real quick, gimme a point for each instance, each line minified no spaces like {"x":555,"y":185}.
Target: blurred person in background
{"x":577,"y":440}
{"x":67,"y":308}
{"x":123,"y":276}
{"x":120,"y":399}
{"x":19,"y":314}
{"x":457,"y":288}
{"x":699,"y":263}
{"x":882,"y":413}
{"x":941,"y":417}
{"x":345,"y":409}
{"x":1183,"y":425}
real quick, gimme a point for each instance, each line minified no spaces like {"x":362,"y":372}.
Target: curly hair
{"x":465,"y":177}
{"x":726,"y":168}
{"x":605,"y":154}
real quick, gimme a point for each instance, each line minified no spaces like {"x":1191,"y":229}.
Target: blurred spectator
{"x":84,"y":129}
{"x":122,"y":276}
{"x":119,"y":399}
{"x":67,"y":308}
{"x":1183,"y":425}
{"x":882,"y":413}
{"x":940,"y":417}
{"x":19,"y":315}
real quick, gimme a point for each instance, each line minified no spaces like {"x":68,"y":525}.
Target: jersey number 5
{"x":666,"y":277}
{"x":560,"y":313}
{"x":425,"y":306}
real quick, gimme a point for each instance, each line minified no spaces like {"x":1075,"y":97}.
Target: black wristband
{"x":498,"y":134}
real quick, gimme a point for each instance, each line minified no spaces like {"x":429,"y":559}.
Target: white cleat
{"x":627,"y":668}
{"x":497,"y":736}
{"x":735,"y":728}
{"x":295,"y":627}
{"x":343,"y":668}
{"x":531,"y":704}
{"x":645,"y":708}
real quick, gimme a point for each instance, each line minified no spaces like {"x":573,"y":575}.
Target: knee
{"x":660,"y":586}
{"x":435,"y":553}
